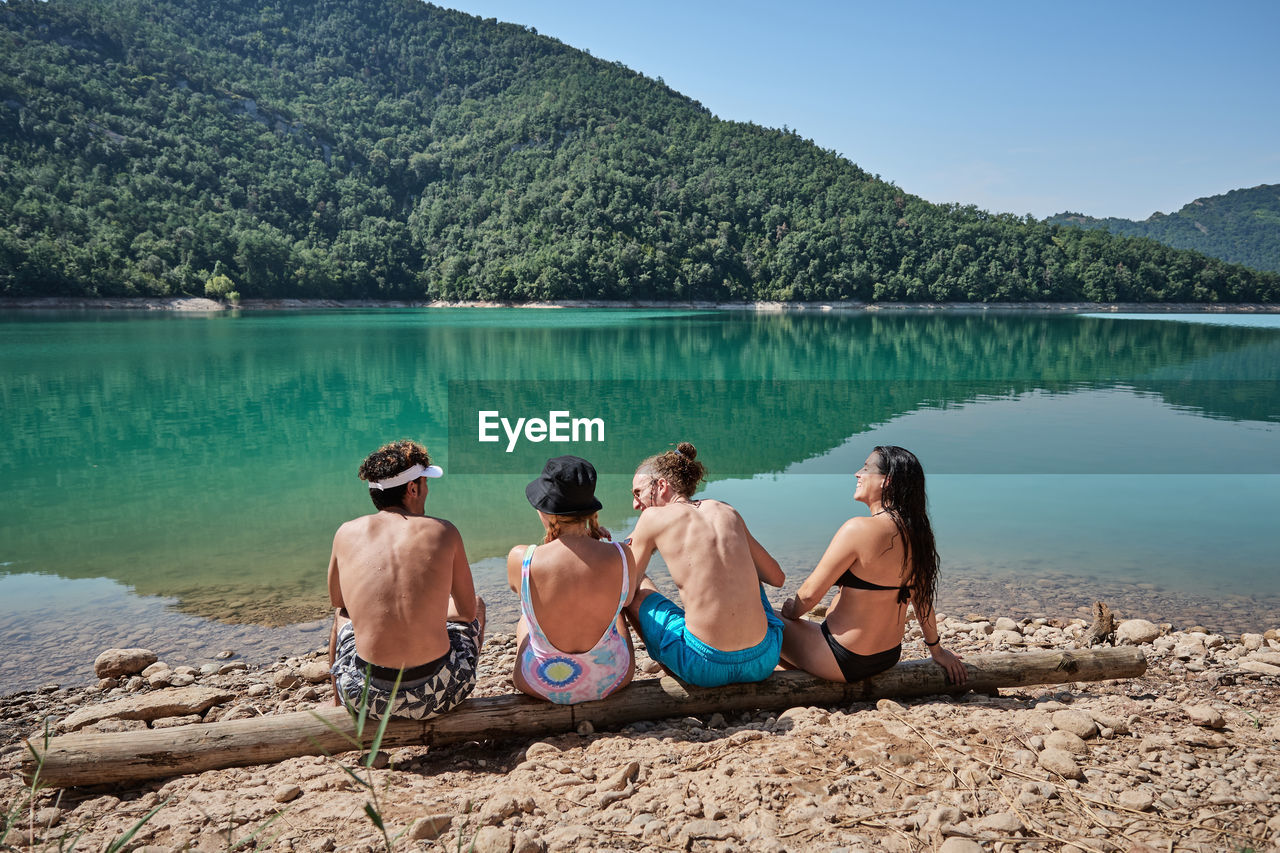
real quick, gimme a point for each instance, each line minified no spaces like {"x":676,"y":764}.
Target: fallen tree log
{"x":88,"y":758}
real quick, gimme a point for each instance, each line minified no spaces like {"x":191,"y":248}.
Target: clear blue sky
{"x":1118,"y":108}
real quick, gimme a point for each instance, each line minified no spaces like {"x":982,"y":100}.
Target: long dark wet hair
{"x":904,"y":500}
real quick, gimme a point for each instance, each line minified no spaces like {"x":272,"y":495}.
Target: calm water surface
{"x":175,"y":480}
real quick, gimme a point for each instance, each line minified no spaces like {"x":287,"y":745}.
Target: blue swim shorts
{"x":661,"y":625}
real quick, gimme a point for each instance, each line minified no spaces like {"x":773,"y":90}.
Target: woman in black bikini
{"x":880,"y":563}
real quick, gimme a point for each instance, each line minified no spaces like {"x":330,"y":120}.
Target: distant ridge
{"x":1241,"y":226}
{"x":394,"y":150}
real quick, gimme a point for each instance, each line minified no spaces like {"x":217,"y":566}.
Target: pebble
{"x":286,"y":793}
{"x":1135,"y":632}
{"x":1196,"y":736}
{"x":540,"y":748}
{"x":1206,"y":716}
{"x":1138,"y":799}
{"x":1060,"y":762}
{"x":315,"y":671}
{"x":956,"y":844}
{"x":1077,"y":722}
{"x":46,"y":817}
{"x":117,"y":662}
{"x":528,"y":841}
{"x":706,"y":829}
{"x":1005,"y":823}
{"x":1066,"y":741}
{"x":498,"y":808}
{"x":286,"y":679}
{"x":1257,"y":666}
{"x":492,"y":839}
{"x":224,"y":654}
{"x":430,"y":827}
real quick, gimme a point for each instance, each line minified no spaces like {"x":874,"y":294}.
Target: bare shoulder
{"x":859,"y":527}
{"x":351,"y":529}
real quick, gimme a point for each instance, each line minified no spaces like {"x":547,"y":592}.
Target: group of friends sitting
{"x":408,"y":625}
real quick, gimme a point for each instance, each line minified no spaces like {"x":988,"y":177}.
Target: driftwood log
{"x":94,"y":759}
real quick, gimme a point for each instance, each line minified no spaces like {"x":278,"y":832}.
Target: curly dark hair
{"x":904,"y":500}
{"x":678,"y":467}
{"x":387,"y":461}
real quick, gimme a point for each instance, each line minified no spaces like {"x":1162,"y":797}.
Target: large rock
{"x":174,"y":702}
{"x":114,"y":663}
{"x":1135,"y":632}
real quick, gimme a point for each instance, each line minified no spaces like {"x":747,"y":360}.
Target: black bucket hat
{"x":567,"y":486}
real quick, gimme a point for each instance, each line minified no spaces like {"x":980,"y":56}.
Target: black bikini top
{"x":852,"y":581}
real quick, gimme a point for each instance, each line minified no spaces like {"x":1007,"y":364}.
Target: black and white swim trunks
{"x":424,"y":691}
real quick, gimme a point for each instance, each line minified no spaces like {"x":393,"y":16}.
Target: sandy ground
{"x":1184,"y":758}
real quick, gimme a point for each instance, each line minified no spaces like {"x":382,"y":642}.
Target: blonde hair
{"x":555,"y":523}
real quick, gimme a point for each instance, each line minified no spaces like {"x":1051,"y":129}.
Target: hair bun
{"x":687,"y":450}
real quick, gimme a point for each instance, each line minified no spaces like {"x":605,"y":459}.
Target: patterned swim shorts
{"x":435,"y":687}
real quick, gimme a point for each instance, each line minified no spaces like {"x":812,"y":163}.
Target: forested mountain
{"x":393,"y":149}
{"x":1242,"y":226}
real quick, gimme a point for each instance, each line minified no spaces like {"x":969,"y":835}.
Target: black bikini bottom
{"x":856,"y":667}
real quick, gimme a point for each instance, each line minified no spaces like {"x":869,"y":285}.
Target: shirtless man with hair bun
{"x":726,"y":632}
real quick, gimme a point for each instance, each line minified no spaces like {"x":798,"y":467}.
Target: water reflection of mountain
{"x":212,"y":458}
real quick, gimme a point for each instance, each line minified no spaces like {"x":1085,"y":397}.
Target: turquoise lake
{"x":175,"y":480}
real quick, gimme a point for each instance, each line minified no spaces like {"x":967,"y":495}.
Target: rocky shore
{"x":199,"y":304}
{"x":1184,"y":758}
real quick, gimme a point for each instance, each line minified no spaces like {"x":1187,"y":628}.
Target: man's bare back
{"x":394,"y":573}
{"x":716,"y":564}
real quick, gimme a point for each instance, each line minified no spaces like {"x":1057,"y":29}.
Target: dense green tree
{"x":392,"y":149}
{"x":1242,"y":226}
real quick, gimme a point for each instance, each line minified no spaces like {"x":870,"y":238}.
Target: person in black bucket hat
{"x":573,"y":642}
{"x":566,"y":486}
